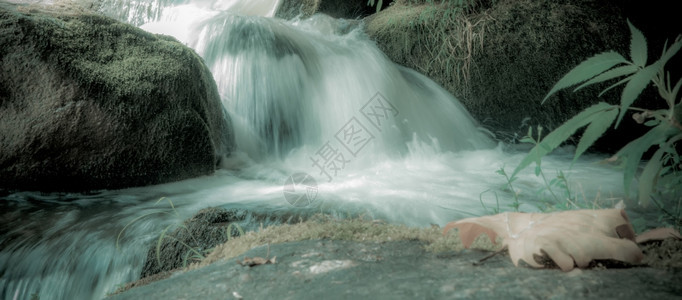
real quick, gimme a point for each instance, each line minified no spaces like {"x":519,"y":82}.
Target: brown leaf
{"x":255,"y":261}
{"x":658,"y":234}
{"x":569,"y":238}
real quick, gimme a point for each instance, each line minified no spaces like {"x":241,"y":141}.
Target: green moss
{"x":351,"y":229}
{"x":290,"y":9}
{"x":124,"y":64}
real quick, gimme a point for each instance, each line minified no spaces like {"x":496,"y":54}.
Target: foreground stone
{"x":89,"y":103}
{"x":325,"y":269}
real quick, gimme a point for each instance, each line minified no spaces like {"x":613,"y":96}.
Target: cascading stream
{"x":313,"y":96}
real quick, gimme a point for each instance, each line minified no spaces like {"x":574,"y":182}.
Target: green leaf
{"x":647,"y":181}
{"x":638,"y":51}
{"x":527,"y":140}
{"x":562,"y":133}
{"x":595,"y":130}
{"x":634,"y":87}
{"x":632,"y":152}
{"x":610,"y":74}
{"x":652,"y":123}
{"x":615,"y":85}
{"x":589,"y":68}
{"x":670,"y":52}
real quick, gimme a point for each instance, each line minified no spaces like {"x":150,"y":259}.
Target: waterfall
{"x":287,"y":84}
{"x":313,"y":96}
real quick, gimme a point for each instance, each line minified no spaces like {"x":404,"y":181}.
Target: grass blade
{"x":133,"y":221}
{"x":158,"y":244}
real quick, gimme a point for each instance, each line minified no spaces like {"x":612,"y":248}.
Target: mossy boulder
{"x":87,"y":103}
{"x":205,"y":230}
{"x":500,"y":58}
{"x":290,"y":9}
{"x":346,"y":9}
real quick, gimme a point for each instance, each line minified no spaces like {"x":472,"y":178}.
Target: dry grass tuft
{"x":321,"y":227}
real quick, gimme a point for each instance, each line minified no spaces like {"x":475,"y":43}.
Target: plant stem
{"x":549,"y":187}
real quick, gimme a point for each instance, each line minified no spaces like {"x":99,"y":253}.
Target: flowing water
{"x":311,"y":96}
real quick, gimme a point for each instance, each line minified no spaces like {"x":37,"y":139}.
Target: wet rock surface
{"x":325,"y":269}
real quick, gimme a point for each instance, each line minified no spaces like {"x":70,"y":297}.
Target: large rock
{"x":346,"y":9}
{"x":500,"y":58}
{"x":329,"y":258}
{"x":334,"y":269}
{"x":88,"y":103}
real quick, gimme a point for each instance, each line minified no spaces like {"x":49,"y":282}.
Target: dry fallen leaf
{"x":255,"y":261}
{"x":657,"y":235}
{"x":568,"y":238}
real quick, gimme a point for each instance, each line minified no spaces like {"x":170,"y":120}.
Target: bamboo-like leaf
{"x":638,"y":51}
{"x":595,"y":130}
{"x":563,"y":132}
{"x":647,"y":181}
{"x":632,"y":152}
{"x":670,"y":52}
{"x":624,"y":80}
{"x":634,"y":87}
{"x":589,"y":68}
{"x":610,"y":74}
